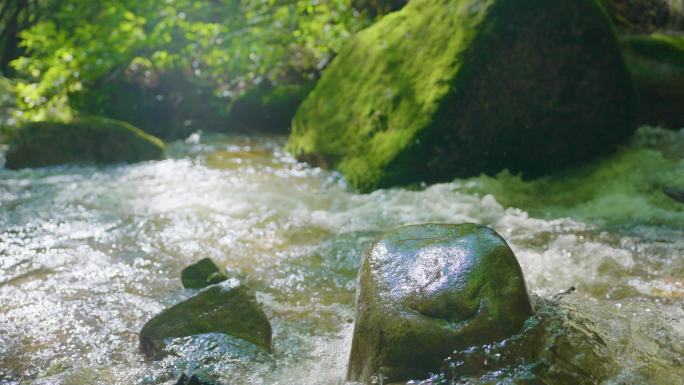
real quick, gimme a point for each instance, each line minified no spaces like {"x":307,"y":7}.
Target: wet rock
{"x":87,"y":140}
{"x":674,"y":193}
{"x":199,"y":377}
{"x":426,"y":290}
{"x":202,"y":274}
{"x":228,"y":308}
{"x":455,"y":88}
{"x":559,"y":345}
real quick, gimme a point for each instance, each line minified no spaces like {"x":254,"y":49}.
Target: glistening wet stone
{"x":201,"y":274}
{"x":226,"y":308}
{"x":426,"y":290}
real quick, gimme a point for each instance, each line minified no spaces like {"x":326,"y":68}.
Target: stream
{"x":89,"y":254}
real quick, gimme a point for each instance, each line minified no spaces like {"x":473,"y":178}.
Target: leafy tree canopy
{"x":228,"y":45}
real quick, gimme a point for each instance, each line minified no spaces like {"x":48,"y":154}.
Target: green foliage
{"x":7,"y":108}
{"x":227,"y":45}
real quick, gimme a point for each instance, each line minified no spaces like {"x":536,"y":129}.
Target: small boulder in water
{"x":228,"y":308}
{"x":427,"y":290}
{"x":202,"y":274}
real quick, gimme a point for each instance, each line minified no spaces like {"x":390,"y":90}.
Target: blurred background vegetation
{"x":172,"y":67}
{"x":165,"y":64}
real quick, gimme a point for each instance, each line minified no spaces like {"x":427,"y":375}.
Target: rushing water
{"x":88,"y":254}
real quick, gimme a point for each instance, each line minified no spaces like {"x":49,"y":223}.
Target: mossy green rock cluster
{"x":427,"y":290}
{"x":452,"y":88}
{"x":88,"y":140}
{"x":202,"y":274}
{"x":225,"y":308}
{"x":656,"y":62}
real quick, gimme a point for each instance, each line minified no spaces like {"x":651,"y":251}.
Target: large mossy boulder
{"x":656,"y":62}
{"x":427,"y":290}
{"x":87,"y":140}
{"x":226,"y":308}
{"x":453,"y":88}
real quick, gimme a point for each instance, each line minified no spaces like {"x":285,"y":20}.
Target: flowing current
{"x":89,"y":254}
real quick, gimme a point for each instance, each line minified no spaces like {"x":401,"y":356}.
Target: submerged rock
{"x":87,"y":140}
{"x":455,"y":88}
{"x":226,"y":308}
{"x":201,"y":274}
{"x":426,"y":290}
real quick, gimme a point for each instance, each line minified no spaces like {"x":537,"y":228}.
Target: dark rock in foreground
{"x":226,"y":308}
{"x":454,"y":88}
{"x":87,"y":140}
{"x":427,"y":290}
{"x":202,"y":274}
{"x":197,"y":378}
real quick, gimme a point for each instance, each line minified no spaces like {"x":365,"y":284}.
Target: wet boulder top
{"x":469,"y":87}
{"x":426,"y":290}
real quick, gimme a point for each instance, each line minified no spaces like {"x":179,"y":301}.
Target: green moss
{"x":87,"y":140}
{"x":656,"y":62}
{"x":624,"y":188}
{"x":448,"y":88}
{"x":222,"y":308}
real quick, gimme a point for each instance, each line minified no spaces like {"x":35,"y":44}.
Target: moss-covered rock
{"x":226,"y":308}
{"x":447,"y":88}
{"x":656,"y":62}
{"x":201,"y":274}
{"x":87,"y":140}
{"x":426,"y":290}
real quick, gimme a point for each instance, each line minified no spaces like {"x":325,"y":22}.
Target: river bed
{"x":89,"y":254}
